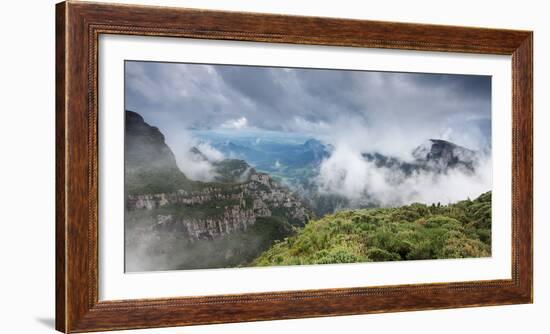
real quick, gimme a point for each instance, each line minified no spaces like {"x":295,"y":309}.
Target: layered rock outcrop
{"x":216,"y":211}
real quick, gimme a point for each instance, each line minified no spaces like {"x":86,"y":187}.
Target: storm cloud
{"x":395,"y":111}
{"x":353,"y":112}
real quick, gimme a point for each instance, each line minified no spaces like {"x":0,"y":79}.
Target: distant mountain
{"x":441,"y":154}
{"x":291,"y":163}
{"x":434,"y":155}
{"x":317,"y":149}
{"x":241,"y":151}
{"x":269,"y":155}
{"x":311,"y":152}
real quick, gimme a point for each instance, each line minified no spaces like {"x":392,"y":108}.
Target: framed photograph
{"x":223,"y":167}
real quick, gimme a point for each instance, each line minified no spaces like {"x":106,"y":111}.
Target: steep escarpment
{"x":149,"y":164}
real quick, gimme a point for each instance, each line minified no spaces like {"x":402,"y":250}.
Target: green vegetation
{"x":412,"y":232}
{"x":169,"y":180}
{"x":231,"y":170}
{"x":143,"y":181}
{"x":197,"y":211}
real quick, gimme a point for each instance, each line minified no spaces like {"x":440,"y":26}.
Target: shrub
{"x":377,"y":254}
{"x":340,"y":256}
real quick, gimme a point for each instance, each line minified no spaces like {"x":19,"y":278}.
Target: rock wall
{"x":258,"y":197}
{"x":233,"y":219}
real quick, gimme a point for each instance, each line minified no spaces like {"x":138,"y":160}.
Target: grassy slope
{"x":412,"y":232}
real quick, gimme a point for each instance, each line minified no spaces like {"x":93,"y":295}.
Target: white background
{"x":27,"y":166}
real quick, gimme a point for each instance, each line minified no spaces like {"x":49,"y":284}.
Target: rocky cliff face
{"x":145,"y":147}
{"x":196,"y":209}
{"x":215,"y":210}
{"x":441,"y":154}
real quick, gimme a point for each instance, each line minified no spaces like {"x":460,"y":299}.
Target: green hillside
{"x":412,"y":232}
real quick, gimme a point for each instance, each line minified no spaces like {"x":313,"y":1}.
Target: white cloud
{"x":348,"y":174}
{"x":352,"y":111}
{"x":210,"y":152}
{"x":239,"y":123}
{"x":344,"y":173}
{"x":193,"y":166}
{"x":408,"y":108}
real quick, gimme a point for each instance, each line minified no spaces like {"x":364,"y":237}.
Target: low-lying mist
{"x":195,"y":167}
{"x":149,"y":248}
{"x":348,"y":175}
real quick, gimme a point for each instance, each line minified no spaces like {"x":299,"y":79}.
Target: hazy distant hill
{"x":289,"y":162}
{"x":266,"y":154}
{"x":296,"y":163}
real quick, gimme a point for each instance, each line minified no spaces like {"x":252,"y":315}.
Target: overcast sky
{"x":385,"y":111}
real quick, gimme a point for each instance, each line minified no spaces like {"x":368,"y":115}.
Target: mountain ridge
{"x":435,"y":155}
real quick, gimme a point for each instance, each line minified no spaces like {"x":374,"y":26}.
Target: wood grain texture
{"x":60,"y":180}
{"x":78,"y":27}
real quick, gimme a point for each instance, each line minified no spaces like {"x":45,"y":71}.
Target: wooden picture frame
{"x":78,"y":27}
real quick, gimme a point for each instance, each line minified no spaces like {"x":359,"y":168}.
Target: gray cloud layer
{"x":391,"y":112}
